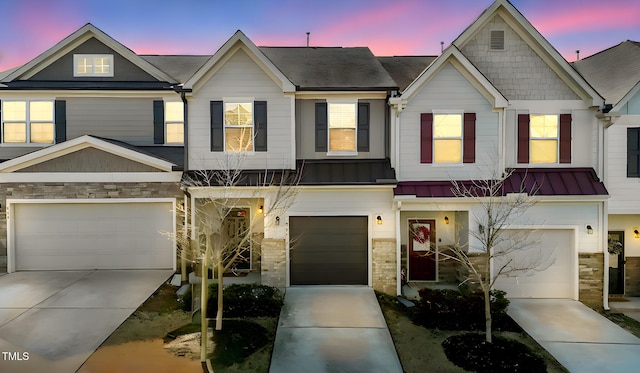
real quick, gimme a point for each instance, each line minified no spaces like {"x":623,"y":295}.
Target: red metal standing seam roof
{"x":536,"y":181}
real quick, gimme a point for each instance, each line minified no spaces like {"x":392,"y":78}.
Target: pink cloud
{"x":595,"y":17}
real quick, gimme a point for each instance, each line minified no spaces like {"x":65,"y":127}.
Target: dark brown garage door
{"x":329,"y":250}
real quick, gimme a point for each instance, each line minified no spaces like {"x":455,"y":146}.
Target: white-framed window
{"x":342,"y":127}
{"x":447,"y":138}
{"x":25,"y":122}
{"x":544,"y":138}
{"x":174,"y":122}
{"x":93,"y":65}
{"x":238,"y":126}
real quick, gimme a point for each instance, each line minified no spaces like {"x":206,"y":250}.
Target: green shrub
{"x":236,"y":341}
{"x":246,"y":300}
{"x":471,"y":352}
{"x":452,"y":310}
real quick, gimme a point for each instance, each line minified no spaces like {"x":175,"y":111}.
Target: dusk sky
{"x":387,"y":27}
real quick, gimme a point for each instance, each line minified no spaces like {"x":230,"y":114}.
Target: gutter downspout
{"x":604,"y":242}
{"x":185,"y":167}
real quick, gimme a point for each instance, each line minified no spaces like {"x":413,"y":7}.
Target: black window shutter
{"x":158,"y":122}
{"x":426,"y":138}
{"x":633,"y":152}
{"x":217,"y":128}
{"x":321,"y":126}
{"x":1,"y":129}
{"x":260,"y":126}
{"x":363,"y":127}
{"x":60,"y":107}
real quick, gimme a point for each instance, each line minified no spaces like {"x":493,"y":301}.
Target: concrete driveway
{"x":333,"y":329}
{"x":52,"y":321}
{"x":578,"y":337}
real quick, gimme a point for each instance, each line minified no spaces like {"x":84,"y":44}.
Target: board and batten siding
{"x":306,"y":131}
{"x":125,"y":119}
{"x":447,"y":91}
{"x":624,"y":191}
{"x":241,"y":77}
{"x":584,"y":131}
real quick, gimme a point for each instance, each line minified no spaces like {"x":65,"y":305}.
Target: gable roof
{"x":537,"y":42}
{"x":239,"y":41}
{"x":70,"y":42}
{"x":79,"y":143}
{"x":614,"y":72}
{"x":453,"y":55}
{"x":405,"y":69}
{"x":327,"y":68}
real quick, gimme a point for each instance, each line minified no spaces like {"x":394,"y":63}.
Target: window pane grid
{"x":28,"y":122}
{"x":342,"y":127}
{"x":544,"y":132}
{"x":238,"y":122}
{"x":447,"y":138}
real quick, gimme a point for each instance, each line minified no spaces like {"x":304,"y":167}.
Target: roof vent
{"x":497,"y":40}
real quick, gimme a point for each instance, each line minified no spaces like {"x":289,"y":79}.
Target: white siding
{"x":241,"y":77}
{"x":448,"y":90}
{"x":624,"y":191}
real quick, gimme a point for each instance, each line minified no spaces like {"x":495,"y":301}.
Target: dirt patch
{"x":419,"y":348}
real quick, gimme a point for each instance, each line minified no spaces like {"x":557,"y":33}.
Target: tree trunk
{"x":203,"y":309}
{"x":220,"y":295}
{"x":487,"y":313}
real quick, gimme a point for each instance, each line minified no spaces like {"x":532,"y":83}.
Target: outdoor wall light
{"x":446,"y":220}
{"x":589,"y":229}
{"x":260,"y":209}
{"x":379,"y":220}
{"x":277,"y":220}
{"x":636,"y":233}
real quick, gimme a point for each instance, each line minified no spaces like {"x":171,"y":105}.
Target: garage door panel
{"x":329,"y":250}
{"x":93,"y":236}
{"x":551,"y":260}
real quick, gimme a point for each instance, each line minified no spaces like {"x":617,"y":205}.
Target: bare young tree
{"x":213,"y":237}
{"x":497,"y":210}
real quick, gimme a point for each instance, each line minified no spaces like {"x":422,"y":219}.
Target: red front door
{"x":422,"y":250}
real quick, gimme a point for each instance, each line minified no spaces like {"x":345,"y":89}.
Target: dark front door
{"x":422,"y":250}
{"x":616,"y":262}
{"x":328,"y":250}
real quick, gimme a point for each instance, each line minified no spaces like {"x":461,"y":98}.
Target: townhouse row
{"x":96,"y":139}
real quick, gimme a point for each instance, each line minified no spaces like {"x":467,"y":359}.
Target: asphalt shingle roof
{"x":614,"y":71}
{"x":405,"y":69}
{"x":179,"y":67}
{"x":324,"y":68}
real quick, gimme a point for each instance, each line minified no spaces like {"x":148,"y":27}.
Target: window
{"x":238,"y":126}
{"x":543,"y":134}
{"x":447,"y":138}
{"x":342,"y":127}
{"x":174,"y":122}
{"x":633,"y":152}
{"x":497,"y":40}
{"x":93,"y":65}
{"x":544,"y":138}
{"x":27,"y":122}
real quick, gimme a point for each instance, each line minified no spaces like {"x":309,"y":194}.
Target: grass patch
{"x":472,"y":352}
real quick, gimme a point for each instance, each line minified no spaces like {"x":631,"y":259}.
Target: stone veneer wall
{"x":632,"y":276}
{"x":273,"y":262}
{"x":591,"y":278}
{"x":78,"y":191}
{"x":384,"y":266}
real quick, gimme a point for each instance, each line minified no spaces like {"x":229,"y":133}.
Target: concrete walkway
{"x":578,"y":337}
{"x":52,"y":321}
{"x":335,"y":329}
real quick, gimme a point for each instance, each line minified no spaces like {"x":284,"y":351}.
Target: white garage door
{"x":551,"y":259}
{"x":58,"y":236}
